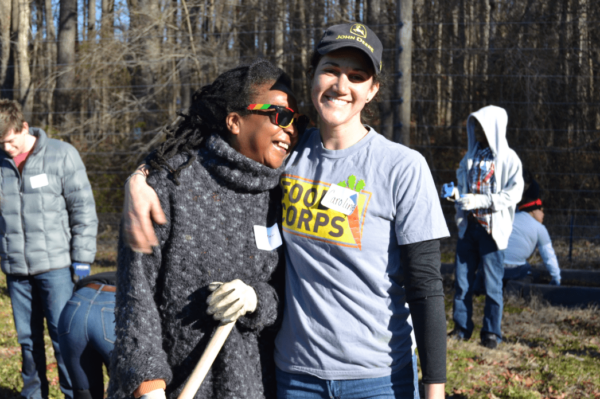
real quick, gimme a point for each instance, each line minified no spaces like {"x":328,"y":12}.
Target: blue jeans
{"x":522,"y":272}
{"x":477,"y":246}
{"x":517,"y":273}
{"x":400,"y":385}
{"x":87,"y":336}
{"x":32,"y":298}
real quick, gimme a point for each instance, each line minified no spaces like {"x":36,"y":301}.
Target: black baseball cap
{"x":352,"y":35}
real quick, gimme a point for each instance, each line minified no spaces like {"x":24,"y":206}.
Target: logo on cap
{"x":359,"y":30}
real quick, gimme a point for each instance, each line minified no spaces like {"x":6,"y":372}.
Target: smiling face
{"x":342,"y":84}
{"x":256,"y":137}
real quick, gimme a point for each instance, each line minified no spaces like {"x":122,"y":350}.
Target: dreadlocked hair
{"x":232,"y":91}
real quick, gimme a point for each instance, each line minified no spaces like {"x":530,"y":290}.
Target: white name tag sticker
{"x":38,"y":181}
{"x":267,"y":239}
{"x":340,"y":199}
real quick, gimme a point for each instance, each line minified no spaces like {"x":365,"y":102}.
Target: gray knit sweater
{"x":161,"y":323}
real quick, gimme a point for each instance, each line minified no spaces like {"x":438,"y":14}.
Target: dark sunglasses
{"x":283,"y":116}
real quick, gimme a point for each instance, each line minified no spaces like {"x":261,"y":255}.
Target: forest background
{"x":109,"y":75}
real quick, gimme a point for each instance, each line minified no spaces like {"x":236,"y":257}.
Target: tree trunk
{"x":145,"y":22}
{"x":304,"y":47}
{"x":279,"y":27}
{"x":246,"y":22}
{"x":458,"y":61}
{"x":319,"y":20}
{"x":185,"y":73}
{"x":49,"y":64}
{"x":5,"y":21}
{"x":581,"y":82}
{"x":358,"y":11}
{"x":107,"y":21}
{"x":38,"y":64}
{"x":437,"y":62}
{"x":373,"y":12}
{"x":12,"y":75}
{"x":24,"y":91}
{"x":91,"y":25}
{"x":402,"y":98}
{"x":344,"y":11}
{"x":67,"y":34}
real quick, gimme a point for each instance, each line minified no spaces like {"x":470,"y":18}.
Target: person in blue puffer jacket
{"x":48,"y":223}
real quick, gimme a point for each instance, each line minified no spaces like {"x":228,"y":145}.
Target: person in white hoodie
{"x":490,"y":184}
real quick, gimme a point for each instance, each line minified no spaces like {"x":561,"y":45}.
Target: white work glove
{"x":156,"y":394}
{"x":455,"y":196}
{"x":231,"y":300}
{"x":468,"y":202}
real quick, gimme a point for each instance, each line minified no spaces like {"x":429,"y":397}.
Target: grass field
{"x":549,"y":352}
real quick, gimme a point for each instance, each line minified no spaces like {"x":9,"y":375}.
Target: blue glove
{"x":450,"y":192}
{"x":555,"y":282}
{"x":81,"y":269}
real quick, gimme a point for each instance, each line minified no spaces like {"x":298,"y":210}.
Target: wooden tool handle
{"x":208,"y":357}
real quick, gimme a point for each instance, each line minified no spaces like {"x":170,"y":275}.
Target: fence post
{"x":402,"y":95}
{"x":571,"y":239}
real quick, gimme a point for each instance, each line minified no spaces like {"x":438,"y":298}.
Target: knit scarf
{"x":235,"y":170}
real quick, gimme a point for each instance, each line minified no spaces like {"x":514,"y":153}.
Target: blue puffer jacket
{"x":47,"y":216}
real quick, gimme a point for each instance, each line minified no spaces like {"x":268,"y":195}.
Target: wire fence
{"x":538,"y":60}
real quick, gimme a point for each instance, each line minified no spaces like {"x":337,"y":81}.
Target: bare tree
{"x":23,"y":87}
{"x":67,"y":34}
{"x":145,"y":20}
{"x":5,"y":20}
{"x":279,"y":27}
{"x":91,"y":25}
{"x":107,"y":21}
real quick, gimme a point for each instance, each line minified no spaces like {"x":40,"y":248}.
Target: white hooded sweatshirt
{"x":508,"y":172}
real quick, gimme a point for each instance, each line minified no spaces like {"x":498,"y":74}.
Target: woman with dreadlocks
{"x":216,"y":178}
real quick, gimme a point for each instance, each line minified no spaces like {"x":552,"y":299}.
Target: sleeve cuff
{"x":149,"y":386}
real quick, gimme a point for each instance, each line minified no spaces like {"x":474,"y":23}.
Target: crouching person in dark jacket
{"x":218,"y":258}
{"x":47,"y":224}
{"x":87,"y":333}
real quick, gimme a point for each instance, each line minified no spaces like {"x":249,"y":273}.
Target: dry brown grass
{"x":548,"y":352}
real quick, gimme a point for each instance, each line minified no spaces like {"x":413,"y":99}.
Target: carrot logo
{"x":305,"y":216}
{"x":353,"y":219}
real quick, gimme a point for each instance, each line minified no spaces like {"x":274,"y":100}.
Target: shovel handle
{"x":208,"y":357}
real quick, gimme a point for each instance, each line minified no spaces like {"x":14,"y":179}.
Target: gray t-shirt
{"x":345,"y":314}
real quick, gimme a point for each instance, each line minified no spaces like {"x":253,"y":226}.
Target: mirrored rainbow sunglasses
{"x":283,"y":116}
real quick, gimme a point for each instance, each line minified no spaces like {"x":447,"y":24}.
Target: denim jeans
{"x":87,"y":336}
{"x":520,"y":273}
{"x":476,"y":248}
{"x":32,"y":298}
{"x":400,"y":385}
